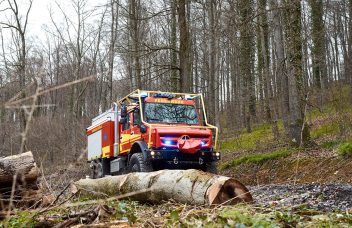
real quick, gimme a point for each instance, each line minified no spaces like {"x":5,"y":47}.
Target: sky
{"x":40,"y":12}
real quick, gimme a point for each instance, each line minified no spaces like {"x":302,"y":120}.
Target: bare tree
{"x":19,"y":25}
{"x":185,"y":49}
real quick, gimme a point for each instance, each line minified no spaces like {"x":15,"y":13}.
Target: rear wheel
{"x":99,"y":168}
{"x":137,"y":164}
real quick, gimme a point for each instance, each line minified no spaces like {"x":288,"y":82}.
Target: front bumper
{"x":175,"y":156}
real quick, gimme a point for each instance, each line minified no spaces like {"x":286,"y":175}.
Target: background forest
{"x":256,"y":62}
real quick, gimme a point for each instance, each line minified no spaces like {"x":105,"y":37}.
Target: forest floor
{"x":292,"y":187}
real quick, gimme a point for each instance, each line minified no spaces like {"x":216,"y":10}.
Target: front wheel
{"x":137,"y":164}
{"x":211,"y":168}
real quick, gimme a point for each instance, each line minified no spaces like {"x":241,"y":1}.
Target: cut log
{"x":24,"y":192}
{"x":184,"y":186}
{"x":22,"y":165}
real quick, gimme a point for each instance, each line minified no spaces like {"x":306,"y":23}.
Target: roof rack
{"x":134,"y":97}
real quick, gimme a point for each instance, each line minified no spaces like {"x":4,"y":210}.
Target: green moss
{"x":260,"y":134}
{"x":326,"y":129}
{"x":257,"y":158}
{"x":331,"y":144}
{"x":244,"y":217}
{"x":345,"y":149}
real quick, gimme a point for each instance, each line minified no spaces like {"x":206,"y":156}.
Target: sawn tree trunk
{"x":184,"y":186}
{"x":21,"y":165}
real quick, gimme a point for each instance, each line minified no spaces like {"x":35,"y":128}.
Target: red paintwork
{"x":108,"y":130}
{"x":174,"y":134}
{"x":189,"y":146}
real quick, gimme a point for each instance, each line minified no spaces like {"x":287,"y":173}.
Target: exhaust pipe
{"x":116,"y":130}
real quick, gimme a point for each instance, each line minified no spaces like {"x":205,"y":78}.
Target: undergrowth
{"x":248,"y":216}
{"x":345,"y":149}
{"x":258,"y":158}
{"x":259,"y":135}
{"x":179,"y":215}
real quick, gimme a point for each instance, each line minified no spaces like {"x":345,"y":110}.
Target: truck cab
{"x":153,"y":130}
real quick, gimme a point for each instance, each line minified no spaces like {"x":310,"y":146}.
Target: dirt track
{"x":322,"y":197}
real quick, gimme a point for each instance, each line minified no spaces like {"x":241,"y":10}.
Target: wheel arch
{"x":139,"y":146}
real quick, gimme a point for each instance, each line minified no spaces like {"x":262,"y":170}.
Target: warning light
{"x":167,"y":142}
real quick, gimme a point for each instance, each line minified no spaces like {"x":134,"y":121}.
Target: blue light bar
{"x":167,"y":142}
{"x":188,"y":97}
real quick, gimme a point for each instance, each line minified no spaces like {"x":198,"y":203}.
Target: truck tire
{"x":92,"y":169}
{"x":137,"y":164}
{"x":100,"y":168}
{"x":211,"y":168}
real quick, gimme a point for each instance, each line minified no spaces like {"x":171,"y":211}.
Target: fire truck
{"x":152,"y":130}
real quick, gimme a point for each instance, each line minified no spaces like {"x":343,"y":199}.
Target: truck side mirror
{"x":143,"y":128}
{"x":123,"y":111}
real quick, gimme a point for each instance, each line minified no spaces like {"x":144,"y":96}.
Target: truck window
{"x":136,"y":117}
{"x":170,"y":113}
{"x":126,"y":125}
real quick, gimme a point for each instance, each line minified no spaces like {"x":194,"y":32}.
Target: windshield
{"x":170,"y":113}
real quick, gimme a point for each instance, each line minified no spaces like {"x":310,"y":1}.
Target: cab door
{"x":125,"y":135}
{"x":135,"y":129}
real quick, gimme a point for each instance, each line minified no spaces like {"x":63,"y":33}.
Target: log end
{"x":228,"y":192}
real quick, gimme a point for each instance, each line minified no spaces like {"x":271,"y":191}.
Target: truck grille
{"x":179,"y":135}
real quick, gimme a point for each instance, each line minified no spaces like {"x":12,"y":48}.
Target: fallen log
{"x":18,"y":182}
{"x":184,"y":186}
{"x":21,"y":165}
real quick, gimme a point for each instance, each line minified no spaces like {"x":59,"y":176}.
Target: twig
{"x":12,"y":194}
{"x":60,"y":194}
{"x":30,"y":116}
{"x":11,"y":103}
{"x":89,"y":202}
{"x":109,"y":199}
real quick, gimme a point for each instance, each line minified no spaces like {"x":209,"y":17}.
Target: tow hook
{"x":201,"y":161}
{"x":175,"y":161}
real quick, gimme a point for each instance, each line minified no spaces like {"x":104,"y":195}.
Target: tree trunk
{"x":281,"y":67}
{"x":22,"y":165}
{"x":212,"y":63}
{"x":349,"y":70}
{"x":319,"y":50}
{"x":111,"y":53}
{"x":299,"y":134}
{"x":184,"y":54}
{"x":184,"y":186}
{"x":247,"y":45}
{"x":174,"y":79}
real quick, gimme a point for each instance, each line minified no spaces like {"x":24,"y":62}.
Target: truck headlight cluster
{"x":217,"y":155}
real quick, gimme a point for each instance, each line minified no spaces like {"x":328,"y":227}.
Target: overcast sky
{"x":40,"y":12}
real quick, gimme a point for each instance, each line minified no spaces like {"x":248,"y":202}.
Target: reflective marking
{"x":106,"y":151}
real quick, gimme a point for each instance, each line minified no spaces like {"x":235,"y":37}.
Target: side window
{"x":126,"y":125}
{"x":136,"y":117}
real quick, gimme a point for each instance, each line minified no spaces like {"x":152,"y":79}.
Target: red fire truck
{"x":152,"y":130}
